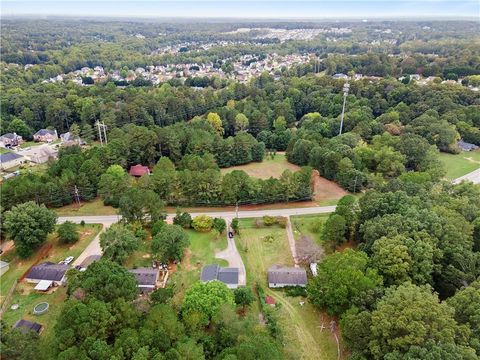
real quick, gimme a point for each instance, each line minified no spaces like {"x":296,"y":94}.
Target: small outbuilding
{"x":229,"y":276}
{"x":139,"y":170}
{"x":4,"y":266}
{"x":26,"y":326}
{"x":147,"y":279}
{"x":9,"y":160}
{"x":270,"y":301}
{"x":282,"y":276}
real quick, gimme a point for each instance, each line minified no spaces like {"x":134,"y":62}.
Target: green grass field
{"x":309,"y":225}
{"x":267,"y":168}
{"x":460,"y":164}
{"x":94,"y":207}
{"x":262,"y":247}
{"x":200,"y":252}
{"x":58,"y":252}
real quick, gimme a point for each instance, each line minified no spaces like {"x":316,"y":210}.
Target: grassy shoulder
{"x":308,"y":225}
{"x":57,"y":253}
{"x":301,"y":324}
{"x":94,"y":207}
{"x":460,"y":164}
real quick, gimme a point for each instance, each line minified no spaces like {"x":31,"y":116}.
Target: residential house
{"x":340,"y":76}
{"x":147,"y":279}
{"x":45,"y":135}
{"x":229,"y":276}
{"x":55,"y":273}
{"x":26,"y":326}
{"x":10,"y":139}
{"x":68,"y":139}
{"x":281,"y":276}
{"x":10,"y":160}
{"x":139,"y":170}
{"x":41,"y":154}
{"x":4,"y":266}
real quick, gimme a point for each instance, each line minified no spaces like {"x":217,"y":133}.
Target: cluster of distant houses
{"x":36,"y":154}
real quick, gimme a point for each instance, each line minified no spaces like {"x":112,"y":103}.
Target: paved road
{"x":474,"y":177}
{"x":233,"y":257}
{"x":100,"y":219}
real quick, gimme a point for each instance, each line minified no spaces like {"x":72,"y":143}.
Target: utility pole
{"x":77,"y":197}
{"x":346,"y":88}
{"x":102,"y":132}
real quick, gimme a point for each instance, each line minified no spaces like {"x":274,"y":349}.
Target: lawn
{"x":267,"y":168}
{"x":460,"y":164}
{"x":4,"y":150}
{"x":94,"y":207}
{"x":57,"y":252}
{"x":309,"y":225}
{"x":300,"y":325}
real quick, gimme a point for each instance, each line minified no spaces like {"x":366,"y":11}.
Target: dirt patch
{"x":186,"y":262}
{"x":325,"y":190}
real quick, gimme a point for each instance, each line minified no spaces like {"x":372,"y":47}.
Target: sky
{"x":273,"y":9}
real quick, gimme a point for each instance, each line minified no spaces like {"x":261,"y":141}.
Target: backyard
{"x":56,"y":253}
{"x":269,"y":167}
{"x":460,"y":164}
{"x":94,"y":207}
{"x":301,"y":324}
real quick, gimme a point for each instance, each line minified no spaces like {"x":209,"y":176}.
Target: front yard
{"x":301,"y":325}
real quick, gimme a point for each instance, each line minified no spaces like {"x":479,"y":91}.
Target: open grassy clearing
{"x":94,"y":207}
{"x":200,"y":252}
{"x":300,"y":324}
{"x":4,"y":150}
{"x":309,"y":225}
{"x":267,"y":168}
{"x":460,"y":164}
{"x":57,"y":253}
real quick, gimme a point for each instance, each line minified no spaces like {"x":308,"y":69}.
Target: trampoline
{"x":40,"y":308}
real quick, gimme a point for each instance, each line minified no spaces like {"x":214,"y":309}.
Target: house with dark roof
{"x":139,"y":170}
{"x":10,"y":139}
{"x":229,"y":276}
{"x":45,"y":135}
{"x":281,"y":276}
{"x":48,"y":271}
{"x":147,"y":279}
{"x":26,"y":326}
{"x":9,"y":160}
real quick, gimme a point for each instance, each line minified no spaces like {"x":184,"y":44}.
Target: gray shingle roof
{"x":10,"y":136}
{"x":287,"y":275}
{"x":215,"y":272}
{"x":43,"y":132}
{"x":9,"y":156}
{"x":145,"y":276}
{"x":48,"y":271}
{"x":25,"y":326}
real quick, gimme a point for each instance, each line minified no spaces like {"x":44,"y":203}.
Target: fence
{"x":8,"y":298}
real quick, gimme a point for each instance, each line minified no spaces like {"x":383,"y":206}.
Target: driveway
{"x":233,"y":257}
{"x":473,"y":176}
{"x":94,"y":247}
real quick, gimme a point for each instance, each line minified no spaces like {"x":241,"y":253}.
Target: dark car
{"x":230,"y":234}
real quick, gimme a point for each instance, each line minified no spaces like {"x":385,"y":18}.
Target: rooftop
{"x":287,"y":275}
{"x":48,"y":271}
{"x":145,"y":276}
{"x":215,"y":272}
{"x":139,"y":170}
{"x":9,"y":156}
{"x":43,"y":132}
{"x":25,"y":326}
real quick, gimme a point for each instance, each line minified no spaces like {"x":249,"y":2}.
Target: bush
{"x":161,"y":296}
{"x":295,"y":291}
{"x":282,"y":221}
{"x":219,"y":224}
{"x":82,"y":223}
{"x":67,"y":233}
{"x":157,"y":226}
{"x":236,"y":226}
{"x":202,"y":223}
{"x":183,"y":219}
{"x":269,"y":220}
{"x":141,"y":234}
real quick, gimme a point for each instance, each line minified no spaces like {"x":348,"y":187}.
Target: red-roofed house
{"x":139,"y":170}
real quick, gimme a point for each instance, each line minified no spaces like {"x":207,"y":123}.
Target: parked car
{"x":230,"y":234}
{"x":68,"y":260}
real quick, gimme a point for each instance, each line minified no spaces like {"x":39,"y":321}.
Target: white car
{"x":68,"y":260}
